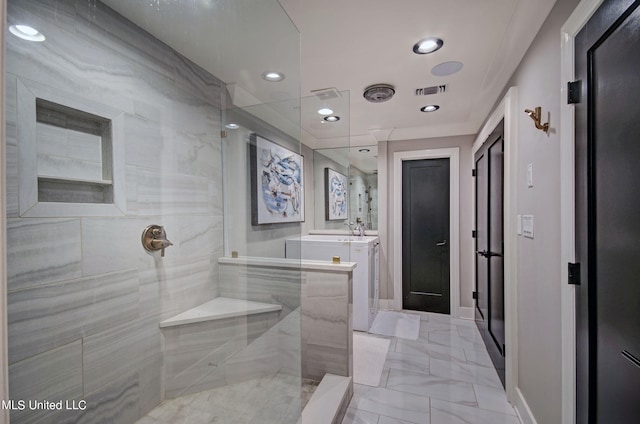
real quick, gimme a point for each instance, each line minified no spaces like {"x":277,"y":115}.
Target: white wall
{"x":466,"y":209}
{"x":539,"y":327}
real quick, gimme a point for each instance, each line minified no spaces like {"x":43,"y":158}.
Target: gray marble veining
{"x":327,"y":323}
{"x":50,"y":316}
{"x":42,"y":251}
{"x":54,"y":375}
{"x":454,"y":384}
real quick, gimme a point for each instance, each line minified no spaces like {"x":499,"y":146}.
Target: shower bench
{"x":197,"y":341}
{"x":219,"y":308}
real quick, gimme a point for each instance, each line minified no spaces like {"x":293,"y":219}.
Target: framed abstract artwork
{"x":336,"y":195}
{"x":277,"y":183}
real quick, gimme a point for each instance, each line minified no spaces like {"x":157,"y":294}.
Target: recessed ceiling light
{"x":232,"y":126}
{"x":325,"y":111}
{"x":364,"y":150}
{"x":273,"y":76}
{"x":427,"y":45}
{"x":26,"y":33}
{"x":446,"y":68}
{"x":331,"y":118}
{"x":429,"y":108}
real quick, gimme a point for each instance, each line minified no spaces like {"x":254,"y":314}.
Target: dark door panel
{"x":607,"y":211}
{"x":490,"y":319}
{"x":496,"y":244}
{"x":482,"y":240}
{"x":425,"y":230}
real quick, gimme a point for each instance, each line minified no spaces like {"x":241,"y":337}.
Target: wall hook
{"x":536,"y":116}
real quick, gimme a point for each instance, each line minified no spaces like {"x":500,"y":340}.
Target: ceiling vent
{"x":327,"y":93}
{"x":379,"y":93}
{"x":436,"y":89}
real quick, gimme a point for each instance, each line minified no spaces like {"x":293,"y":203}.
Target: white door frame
{"x":453,"y":154}
{"x":570,"y":29}
{"x":507,"y":110}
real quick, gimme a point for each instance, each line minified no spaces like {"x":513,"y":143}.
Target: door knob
{"x":442,"y":243}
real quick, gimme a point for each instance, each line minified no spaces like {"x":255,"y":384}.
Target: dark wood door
{"x":425,"y":233}
{"x":608,"y":215}
{"x":490,"y":318}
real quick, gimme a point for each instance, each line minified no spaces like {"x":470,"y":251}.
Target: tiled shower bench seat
{"x":199,"y":340}
{"x":219,"y":308}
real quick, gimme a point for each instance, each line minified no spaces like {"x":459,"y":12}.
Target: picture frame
{"x":277,"y":183}
{"x":336,"y":195}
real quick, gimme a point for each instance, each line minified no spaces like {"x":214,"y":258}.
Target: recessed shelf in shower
{"x":74,"y":150}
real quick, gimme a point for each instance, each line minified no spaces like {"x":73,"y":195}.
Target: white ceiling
{"x":349,"y":45}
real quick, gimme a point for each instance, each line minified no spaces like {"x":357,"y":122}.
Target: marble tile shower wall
{"x":84,"y":298}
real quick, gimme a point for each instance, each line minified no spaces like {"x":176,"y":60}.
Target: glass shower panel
{"x":326,"y":125}
{"x":118,"y":307}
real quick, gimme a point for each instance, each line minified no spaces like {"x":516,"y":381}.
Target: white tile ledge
{"x":305,"y":265}
{"x":219,"y":308}
{"x":326,"y":401}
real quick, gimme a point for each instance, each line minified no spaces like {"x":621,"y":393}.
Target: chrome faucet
{"x":349,"y":224}
{"x":358,"y":230}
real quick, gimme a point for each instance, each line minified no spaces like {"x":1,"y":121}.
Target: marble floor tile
{"x":452,"y":338}
{"x":469,"y":333}
{"x":478,"y":357}
{"x":452,"y":413}
{"x":355,"y":416}
{"x":447,"y":368}
{"x":446,"y":353}
{"x":389,"y":420}
{"x":465,"y":372}
{"x":493,"y":399}
{"x":408,"y":362}
{"x":394,"y":404}
{"x":432,"y":386}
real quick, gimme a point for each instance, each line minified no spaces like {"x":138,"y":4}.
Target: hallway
{"x":444,"y":377}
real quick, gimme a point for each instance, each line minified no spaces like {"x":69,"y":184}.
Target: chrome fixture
{"x":349,"y":224}
{"x":536,"y":116}
{"x":378,"y":93}
{"x":359,"y":229}
{"x":154,"y":238}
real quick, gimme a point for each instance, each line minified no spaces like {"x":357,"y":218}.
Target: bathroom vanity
{"x":363,"y":250}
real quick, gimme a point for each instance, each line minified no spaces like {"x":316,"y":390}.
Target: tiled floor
{"x":444,"y":377}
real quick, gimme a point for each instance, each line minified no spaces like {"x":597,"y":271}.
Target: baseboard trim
{"x":523,"y":410}
{"x":466,"y":313}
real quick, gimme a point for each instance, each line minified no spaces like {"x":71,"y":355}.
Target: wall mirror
{"x":360,"y":165}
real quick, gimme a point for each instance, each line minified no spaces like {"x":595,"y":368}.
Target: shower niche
{"x":70,"y":160}
{"x":74,"y":155}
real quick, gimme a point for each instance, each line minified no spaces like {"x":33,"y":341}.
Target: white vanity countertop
{"x":342,"y":232}
{"x":289,"y":263}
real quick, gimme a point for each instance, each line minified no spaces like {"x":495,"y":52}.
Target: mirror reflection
{"x":360,"y":166}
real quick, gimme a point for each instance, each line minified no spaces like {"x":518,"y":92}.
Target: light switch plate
{"x":527,"y":226}
{"x":519,"y":221}
{"x":530,"y":175}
